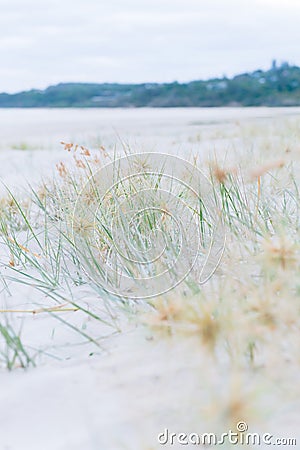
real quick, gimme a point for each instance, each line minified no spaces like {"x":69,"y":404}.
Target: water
{"x":45,"y":128}
{"x":30,"y":138}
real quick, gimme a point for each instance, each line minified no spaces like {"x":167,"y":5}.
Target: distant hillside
{"x":279,"y":86}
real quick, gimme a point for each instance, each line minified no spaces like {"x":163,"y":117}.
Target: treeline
{"x":278,"y":86}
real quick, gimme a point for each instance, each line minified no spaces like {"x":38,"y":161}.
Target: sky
{"x":45,"y":42}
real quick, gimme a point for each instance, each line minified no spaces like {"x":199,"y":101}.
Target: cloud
{"x":132,"y":41}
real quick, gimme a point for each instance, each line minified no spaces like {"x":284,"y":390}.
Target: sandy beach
{"x":139,"y":381}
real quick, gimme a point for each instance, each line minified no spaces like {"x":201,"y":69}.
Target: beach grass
{"x":240,"y":327}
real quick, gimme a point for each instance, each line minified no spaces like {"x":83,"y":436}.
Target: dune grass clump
{"x":253,"y":299}
{"x":37,"y":253}
{"x":242,"y":326}
{"x":250,"y":303}
{"x":12,"y":352}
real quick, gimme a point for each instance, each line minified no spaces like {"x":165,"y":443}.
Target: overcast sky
{"x":45,"y":42}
